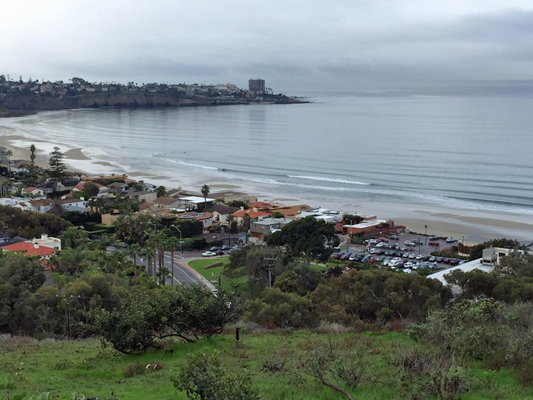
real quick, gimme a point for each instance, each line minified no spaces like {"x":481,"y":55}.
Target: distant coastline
{"x":19,"y":98}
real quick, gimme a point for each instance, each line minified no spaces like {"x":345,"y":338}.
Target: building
{"x":74,"y":205}
{"x":466,"y":244}
{"x":256,"y":85}
{"x":221,"y":212}
{"x":253,"y":213}
{"x":260,"y":229}
{"x":321,"y":214}
{"x":48,"y":241}
{"x":369,"y":227}
{"x":142,"y":195}
{"x":167,"y":202}
{"x":32,"y":250}
{"x":33,"y":191}
{"x":190,"y":203}
{"x":229,"y":196}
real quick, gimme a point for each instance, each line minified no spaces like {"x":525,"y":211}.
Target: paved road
{"x":183,"y":274}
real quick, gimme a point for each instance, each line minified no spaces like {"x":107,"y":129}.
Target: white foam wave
{"x":180,"y":162}
{"x":324,"y":179}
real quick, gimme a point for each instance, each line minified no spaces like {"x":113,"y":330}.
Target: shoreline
{"x":441,"y":220}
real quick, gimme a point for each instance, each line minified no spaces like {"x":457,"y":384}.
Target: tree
{"x":277,"y":214}
{"x":57,"y":166}
{"x":32,"y":157}
{"x":308,"y":238}
{"x":203,"y":377}
{"x":161,"y":191}
{"x":9,"y":153}
{"x":73,"y":237}
{"x":205,"y":192}
{"x":91,"y":189}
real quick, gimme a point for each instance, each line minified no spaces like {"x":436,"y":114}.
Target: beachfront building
{"x":290,"y":212}
{"x":371,"y":226}
{"x":256,"y":86}
{"x":190,"y":203}
{"x":167,"y":202}
{"x":260,"y":229}
{"x":229,"y":196}
{"x":322,"y":214}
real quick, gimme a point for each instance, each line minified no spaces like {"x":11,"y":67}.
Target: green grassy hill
{"x":67,"y":368}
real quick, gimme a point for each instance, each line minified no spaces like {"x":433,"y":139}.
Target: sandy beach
{"x":442,"y":221}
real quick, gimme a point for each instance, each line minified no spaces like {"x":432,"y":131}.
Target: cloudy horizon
{"x":291,"y":44}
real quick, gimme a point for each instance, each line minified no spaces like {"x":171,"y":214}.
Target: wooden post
{"x":237,"y":337}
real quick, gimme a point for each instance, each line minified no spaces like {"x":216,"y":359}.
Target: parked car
{"x":433,"y":238}
{"x":439,"y":259}
{"x":209,"y":254}
{"x":219,"y":253}
{"x":225,"y":247}
{"x":432,"y":259}
{"x":417,"y":241}
{"x":394,"y":237}
{"x":435,"y":244}
{"x":454,"y":261}
{"x":446,"y":260}
{"x":337,"y":256}
{"x":214,"y":248}
{"x":450,"y":240}
{"x":410,"y":243}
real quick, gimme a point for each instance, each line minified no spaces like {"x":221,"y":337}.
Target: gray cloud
{"x":293,"y":44}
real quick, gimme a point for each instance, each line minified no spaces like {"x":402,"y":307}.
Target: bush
{"x":134,"y":370}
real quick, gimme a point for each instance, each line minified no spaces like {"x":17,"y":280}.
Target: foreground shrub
{"x":186,"y":312}
{"x":431,"y":374}
{"x":134,"y":370}
{"x":203,"y":377}
{"x":485,"y":329}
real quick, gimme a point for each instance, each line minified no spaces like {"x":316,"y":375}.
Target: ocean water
{"x":463,"y":152}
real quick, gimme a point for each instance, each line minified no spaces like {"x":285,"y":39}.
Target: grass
{"x":213,"y":274}
{"x":82,"y":367}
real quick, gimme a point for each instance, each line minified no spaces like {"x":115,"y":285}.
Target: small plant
{"x":134,"y":370}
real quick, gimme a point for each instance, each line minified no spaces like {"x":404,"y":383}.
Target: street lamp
{"x":181,"y":240}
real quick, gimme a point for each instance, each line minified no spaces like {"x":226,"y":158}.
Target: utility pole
{"x":270,"y":262}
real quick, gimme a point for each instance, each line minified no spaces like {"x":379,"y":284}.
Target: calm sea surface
{"x":463,"y":152}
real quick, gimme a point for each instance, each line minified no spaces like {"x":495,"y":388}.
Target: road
{"x":183,"y":274}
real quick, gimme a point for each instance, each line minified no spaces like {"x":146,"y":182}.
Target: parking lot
{"x":409,"y":251}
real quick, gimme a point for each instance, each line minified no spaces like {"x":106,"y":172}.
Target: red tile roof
{"x":260,"y":205}
{"x":30,"y":189}
{"x":251,"y":213}
{"x":29,"y":249}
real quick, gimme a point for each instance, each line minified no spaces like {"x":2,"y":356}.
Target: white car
{"x":209,"y":254}
{"x":450,"y":240}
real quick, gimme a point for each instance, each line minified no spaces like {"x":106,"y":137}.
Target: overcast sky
{"x":291,"y":43}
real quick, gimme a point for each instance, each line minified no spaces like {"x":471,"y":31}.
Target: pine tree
{"x":57,"y":166}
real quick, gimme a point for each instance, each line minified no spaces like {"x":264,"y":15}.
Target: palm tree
{"x":32,"y":157}
{"x":162,"y":274}
{"x":205,"y":191}
{"x":134,"y":251}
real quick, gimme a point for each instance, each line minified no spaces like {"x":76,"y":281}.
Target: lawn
{"x":213,"y":274}
{"x":83,"y":367}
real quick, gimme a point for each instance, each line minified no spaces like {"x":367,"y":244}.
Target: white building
{"x":48,"y":241}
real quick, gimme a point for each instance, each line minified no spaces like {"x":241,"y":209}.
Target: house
{"x":165,"y":201}
{"x":205,"y":217}
{"x":48,"y":241}
{"x":259,"y":229}
{"x":221,"y":212}
{"x":117,"y":187}
{"x":33,"y":191}
{"x":42,"y":206}
{"x":66,"y":185}
{"x":31,"y":249}
{"x":110,"y":218}
{"x":142,"y":195}
{"x":47,"y":187}
{"x":74,"y":205}
{"x":321,"y":214}
{"x":253,"y":213}
{"x":229,"y":196}
{"x":190,"y":203}
{"x":291,"y":212}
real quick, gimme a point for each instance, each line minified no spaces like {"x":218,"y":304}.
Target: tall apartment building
{"x":256,"y":85}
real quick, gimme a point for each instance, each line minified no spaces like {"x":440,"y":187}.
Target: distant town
{"x":19,"y":97}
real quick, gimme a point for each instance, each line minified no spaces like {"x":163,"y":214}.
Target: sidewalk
{"x":184,"y":263}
